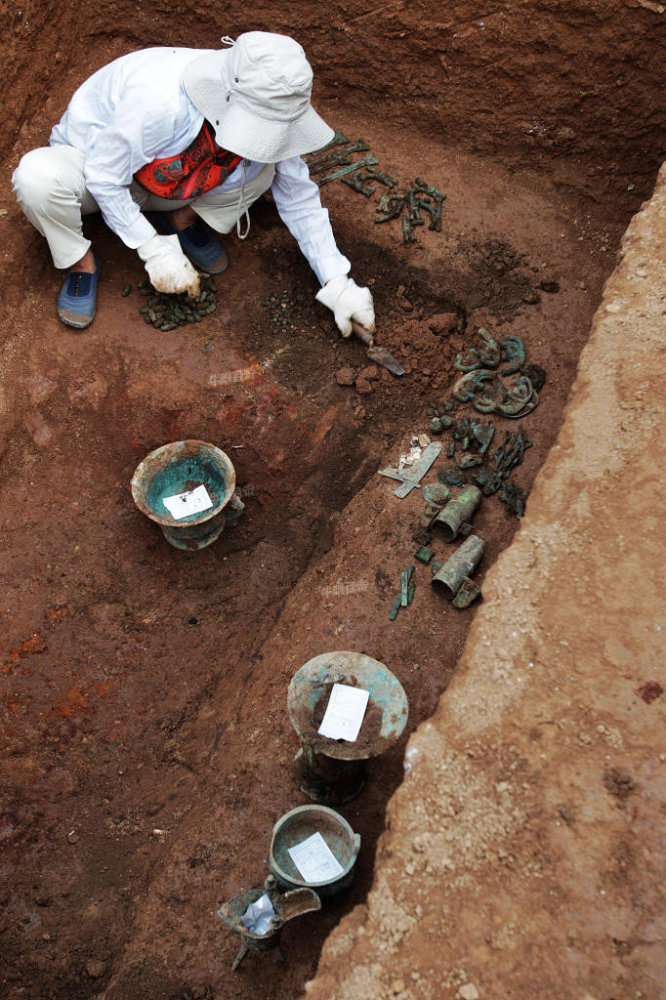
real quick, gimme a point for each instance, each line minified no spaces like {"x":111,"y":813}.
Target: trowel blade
{"x":383,"y":357}
{"x":375,"y":353}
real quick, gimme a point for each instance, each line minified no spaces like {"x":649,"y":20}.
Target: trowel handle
{"x":362,"y":334}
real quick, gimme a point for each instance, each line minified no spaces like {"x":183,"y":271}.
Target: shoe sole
{"x":74,"y":320}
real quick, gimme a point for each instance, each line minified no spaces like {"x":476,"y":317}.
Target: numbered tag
{"x":192,"y":502}
{"x":315,"y":860}
{"x":344,"y":713}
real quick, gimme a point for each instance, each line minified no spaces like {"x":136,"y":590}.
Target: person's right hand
{"x":168,"y":268}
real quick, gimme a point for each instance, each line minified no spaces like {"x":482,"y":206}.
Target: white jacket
{"x":136,"y":110}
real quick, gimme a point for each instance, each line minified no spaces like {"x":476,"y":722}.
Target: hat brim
{"x":203,"y":80}
{"x":241,"y":130}
{"x":254,"y":137}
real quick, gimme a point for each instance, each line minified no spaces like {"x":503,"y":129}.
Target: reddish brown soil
{"x":146,"y":746}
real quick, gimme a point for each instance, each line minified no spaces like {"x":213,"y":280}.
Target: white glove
{"x":348,"y":302}
{"x":168,"y":268}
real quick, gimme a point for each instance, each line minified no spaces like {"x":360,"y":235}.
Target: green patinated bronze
{"x":459,"y":566}
{"x":168,"y":312}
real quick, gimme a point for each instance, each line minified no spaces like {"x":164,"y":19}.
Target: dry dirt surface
{"x":146,"y":747}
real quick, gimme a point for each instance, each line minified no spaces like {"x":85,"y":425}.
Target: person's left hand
{"x":348,"y":302}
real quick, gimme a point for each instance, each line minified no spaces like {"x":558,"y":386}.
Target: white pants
{"x":50,"y":187}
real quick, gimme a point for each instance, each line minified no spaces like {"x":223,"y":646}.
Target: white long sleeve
{"x":115,"y":154}
{"x":130,"y":112}
{"x":299,"y":205}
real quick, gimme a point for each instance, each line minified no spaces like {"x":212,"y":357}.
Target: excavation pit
{"x":147,"y":746}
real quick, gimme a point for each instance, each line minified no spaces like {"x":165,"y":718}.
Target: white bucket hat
{"x":256,"y":95}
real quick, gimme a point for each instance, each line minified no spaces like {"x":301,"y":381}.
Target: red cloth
{"x":197,"y":169}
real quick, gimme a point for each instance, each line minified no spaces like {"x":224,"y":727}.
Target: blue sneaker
{"x":199,"y":243}
{"x":77,"y":298}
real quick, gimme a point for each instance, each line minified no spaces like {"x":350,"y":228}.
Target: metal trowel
{"x":378,"y":354}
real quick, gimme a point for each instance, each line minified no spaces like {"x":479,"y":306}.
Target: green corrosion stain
{"x":182,"y":475}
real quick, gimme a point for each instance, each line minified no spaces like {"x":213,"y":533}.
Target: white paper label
{"x":258,"y":916}
{"x":191,"y":502}
{"x":344,"y":713}
{"x":315,"y":860}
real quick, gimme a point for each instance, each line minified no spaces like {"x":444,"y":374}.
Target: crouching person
{"x":194,"y":136}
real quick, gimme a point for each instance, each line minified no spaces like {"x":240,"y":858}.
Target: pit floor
{"x":147,"y":746}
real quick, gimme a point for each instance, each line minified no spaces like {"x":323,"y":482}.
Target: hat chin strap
{"x":246,"y":213}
